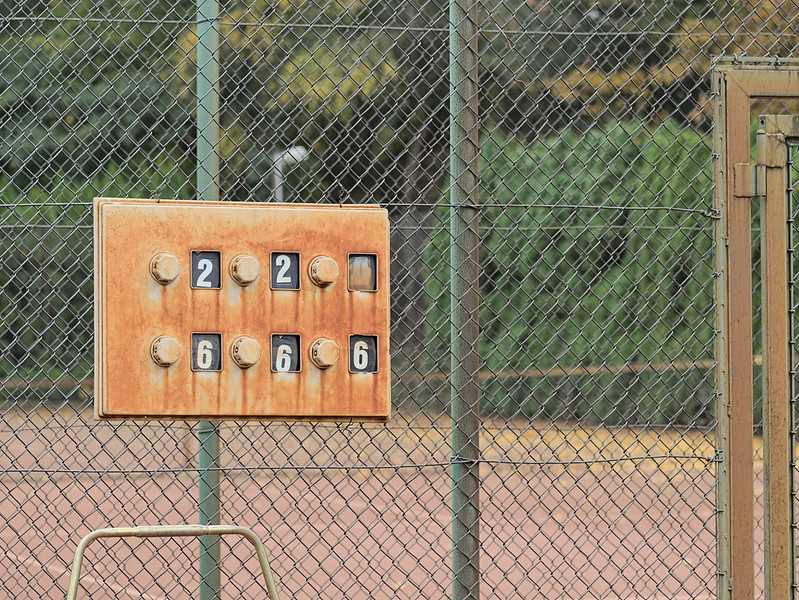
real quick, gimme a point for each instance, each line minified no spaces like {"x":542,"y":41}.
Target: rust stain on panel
{"x":135,"y":309}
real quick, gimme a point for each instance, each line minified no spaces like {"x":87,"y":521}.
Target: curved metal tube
{"x":171,"y":531}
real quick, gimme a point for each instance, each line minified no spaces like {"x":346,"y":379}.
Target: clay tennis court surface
{"x":567,"y":512}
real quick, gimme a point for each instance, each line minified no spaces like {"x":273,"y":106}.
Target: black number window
{"x":205,"y":270}
{"x":285,"y":271}
{"x":206,"y":352}
{"x":285,"y":353}
{"x":363,"y":353}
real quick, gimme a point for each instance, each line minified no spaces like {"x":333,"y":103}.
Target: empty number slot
{"x":362,"y":273}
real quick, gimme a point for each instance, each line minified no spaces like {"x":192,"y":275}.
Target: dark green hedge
{"x":46,"y":299}
{"x":597,"y":250}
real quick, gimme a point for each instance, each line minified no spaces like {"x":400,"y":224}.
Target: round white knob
{"x":324,"y":353}
{"x":246,"y":351}
{"x":164,"y":268}
{"x":165,"y":351}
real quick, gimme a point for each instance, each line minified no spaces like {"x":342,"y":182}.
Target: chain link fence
{"x":596,"y":371}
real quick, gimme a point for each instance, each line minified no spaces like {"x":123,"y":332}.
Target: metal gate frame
{"x":736,"y":83}
{"x":172,"y":531}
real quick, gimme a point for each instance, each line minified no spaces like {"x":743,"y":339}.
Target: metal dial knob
{"x":165,"y":351}
{"x":323,"y":270}
{"x":244,"y":269}
{"x":246,"y":351}
{"x":325,"y":353}
{"x":164,"y":268}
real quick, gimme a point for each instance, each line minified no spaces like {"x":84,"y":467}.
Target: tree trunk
{"x":412,"y":225}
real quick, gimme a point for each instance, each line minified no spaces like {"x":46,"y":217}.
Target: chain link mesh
{"x":596,"y":252}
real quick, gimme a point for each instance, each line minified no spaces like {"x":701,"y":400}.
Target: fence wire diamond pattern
{"x":596,"y":290}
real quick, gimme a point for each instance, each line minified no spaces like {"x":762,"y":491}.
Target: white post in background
{"x":280,"y":160}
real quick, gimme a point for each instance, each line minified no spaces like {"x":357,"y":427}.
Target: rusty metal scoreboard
{"x":241,"y":310}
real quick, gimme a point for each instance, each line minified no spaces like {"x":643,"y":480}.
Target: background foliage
{"x":91,"y":109}
{"x":576,"y":275}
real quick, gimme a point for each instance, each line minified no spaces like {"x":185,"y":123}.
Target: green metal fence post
{"x":464,"y":300}
{"x":208,"y":190}
{"x":207,"y":100}
{"x":209,"y":509}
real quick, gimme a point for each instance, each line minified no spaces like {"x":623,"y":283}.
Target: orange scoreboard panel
{"x":230,"y":310}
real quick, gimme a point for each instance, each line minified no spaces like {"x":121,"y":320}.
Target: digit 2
{"x":285,"y":271}
{"x":205,"y":269}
